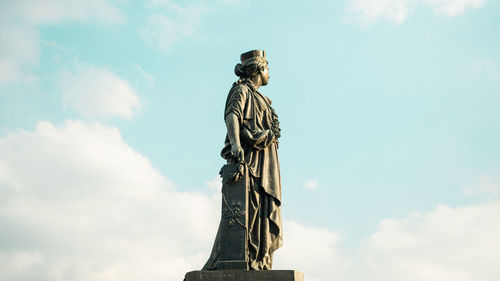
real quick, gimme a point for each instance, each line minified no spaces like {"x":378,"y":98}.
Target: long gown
{"x":259,"y":132}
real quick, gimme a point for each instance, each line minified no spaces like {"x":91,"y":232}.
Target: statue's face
{"x":264,"y":75}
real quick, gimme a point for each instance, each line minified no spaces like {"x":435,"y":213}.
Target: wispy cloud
{"x":170,"y":23}
{"x":452,"y":7}
{"x":488,"y":184}
{"x":367,"y":12}
{"x":56,"y":11}
{"x":97,"y":92}
{"x":486,"y":66}
{"x":150,"y":78}
{"x":19,"y":24}
{"x":19,"y":48}
{"x":311,"y":184}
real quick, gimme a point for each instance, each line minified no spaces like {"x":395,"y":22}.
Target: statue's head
{"x":253,"y":63}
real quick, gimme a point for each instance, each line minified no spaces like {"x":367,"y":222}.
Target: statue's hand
{"x":270,"y":134}
{"x":238,"y":153}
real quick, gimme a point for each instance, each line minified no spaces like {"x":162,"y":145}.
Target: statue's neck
{"x":257,"y":82}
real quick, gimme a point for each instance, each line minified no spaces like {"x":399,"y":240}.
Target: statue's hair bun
{"x":239,"y":70}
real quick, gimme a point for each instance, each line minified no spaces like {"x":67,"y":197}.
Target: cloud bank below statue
{"x":78,"y":203}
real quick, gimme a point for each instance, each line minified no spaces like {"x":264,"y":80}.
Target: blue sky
{"x":389,"y":112}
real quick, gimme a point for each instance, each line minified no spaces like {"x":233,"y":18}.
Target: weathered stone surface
{"x":244,"y":275}
{"x":250,"y":229}
{"x":234,"y":223}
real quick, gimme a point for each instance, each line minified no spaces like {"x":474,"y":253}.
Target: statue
{"x":250,"y":229}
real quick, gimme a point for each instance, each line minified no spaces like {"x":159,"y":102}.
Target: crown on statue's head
{"x":252,"y":54}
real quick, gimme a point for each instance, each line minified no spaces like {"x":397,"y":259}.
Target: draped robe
{"x":258,"y":139}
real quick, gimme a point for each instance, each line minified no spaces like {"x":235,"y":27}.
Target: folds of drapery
{"x":256,"y":118}
{"x":264,"y":230}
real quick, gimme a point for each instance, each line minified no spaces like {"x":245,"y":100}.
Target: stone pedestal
{"x":244,"y":275}
{"x":234,"y":224}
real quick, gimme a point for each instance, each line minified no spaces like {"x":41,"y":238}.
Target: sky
{"x":111,"y":125}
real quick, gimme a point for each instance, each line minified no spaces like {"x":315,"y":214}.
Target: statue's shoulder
{"x":240,"y":89}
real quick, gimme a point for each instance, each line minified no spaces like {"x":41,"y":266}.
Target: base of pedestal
{"x":244,"y":275}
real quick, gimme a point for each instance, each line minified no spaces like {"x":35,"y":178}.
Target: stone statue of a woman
{"x":252,"y":140}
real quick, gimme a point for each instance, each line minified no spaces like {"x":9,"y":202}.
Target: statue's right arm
{"x":233,"y":133}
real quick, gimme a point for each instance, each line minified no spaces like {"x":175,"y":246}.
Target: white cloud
{"x":150,"y":78}
{"x":77,"y":203}
{"x":487,"y":67}
{"x":18,"y":48}
{"x":55,"y":11}
{"x":313,"y":251}
{"x":171,"y":23}
{"x":487,"y":184}
{"x":369,"y":11}
{"x":484,"y":63}
{"x":453,"y":7}
{"x":215,"y":185}
{"x":19,"y":23}
{"x":446,"y":244}
{"x":97,"y":92}
{"x":458,"y":244}
{"x":311,"y":184}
